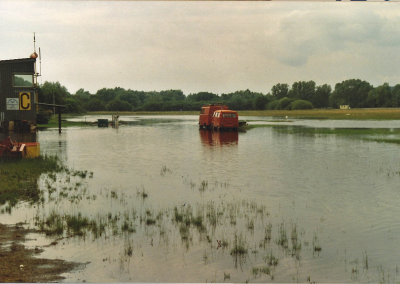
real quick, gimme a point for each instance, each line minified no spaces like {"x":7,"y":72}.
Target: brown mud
{"x":19,"y":264}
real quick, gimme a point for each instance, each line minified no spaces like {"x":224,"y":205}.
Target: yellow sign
{"x":25,"y":101}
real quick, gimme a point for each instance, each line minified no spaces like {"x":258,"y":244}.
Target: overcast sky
{"x":218,"y":47}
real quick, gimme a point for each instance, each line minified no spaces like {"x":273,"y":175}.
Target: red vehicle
{"x":225,"y":119}
{"x":207,"y":112}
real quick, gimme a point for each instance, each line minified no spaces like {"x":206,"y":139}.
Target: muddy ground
{"x":19,"y":264}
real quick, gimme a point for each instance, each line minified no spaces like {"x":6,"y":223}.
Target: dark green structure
{"x":17,"y":94}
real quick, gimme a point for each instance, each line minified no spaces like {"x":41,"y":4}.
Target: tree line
{"x":300,"y":95}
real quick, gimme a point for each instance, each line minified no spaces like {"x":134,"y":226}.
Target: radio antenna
{"x":40,"y":62}
{"x":35,"y":55}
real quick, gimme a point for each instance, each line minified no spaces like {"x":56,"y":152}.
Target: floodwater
{"x":304,"y":208}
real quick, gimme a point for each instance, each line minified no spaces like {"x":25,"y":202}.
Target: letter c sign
{"x":25,"y":101}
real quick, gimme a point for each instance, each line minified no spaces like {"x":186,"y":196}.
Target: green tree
{"x":130,"y":97}
{"x":95,"y":104}
{"x":82,"y":95}
{"x":153,"y":97}
{"x":284,"y":103}
{"x":353,"y":92}
{"x":302,"y":90}
{"x":260,"y":102}
{"x":52,"y":92}
{"x":118,"y":105}
{"x":279,"y":91}
{"x":73,"y":106}
{"x":381,"y":96}
{"x":152,"y":106}
{"x":321,"y":96}
{"x":301,"y":104}
{"x":396,"y":95}
{"x":371,"y":99}
{"x":202,"y":96}
{"x":272,"y":105}
{"x":107,"y":95}
{"x":237,"y":102}
{"x":172,"y":95}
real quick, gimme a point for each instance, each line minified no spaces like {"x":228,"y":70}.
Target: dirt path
{"x":18,"y":264}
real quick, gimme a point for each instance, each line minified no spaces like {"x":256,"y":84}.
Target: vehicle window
{"x":229,"y":115}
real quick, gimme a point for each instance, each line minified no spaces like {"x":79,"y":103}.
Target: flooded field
{"x":158,"y":200}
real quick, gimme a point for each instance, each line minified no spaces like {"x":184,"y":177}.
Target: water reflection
{"x":219,"y":138}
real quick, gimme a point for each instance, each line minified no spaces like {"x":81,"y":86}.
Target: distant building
{"x":344,"y":107}
{"x":17,"y":94}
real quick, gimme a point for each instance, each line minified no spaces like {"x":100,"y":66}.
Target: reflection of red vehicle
{"x":207,"y":112}
{"x":225,"y":119}
{"x":216,"y":138}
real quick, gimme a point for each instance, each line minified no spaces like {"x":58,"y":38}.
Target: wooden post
{"x":59,"y":120}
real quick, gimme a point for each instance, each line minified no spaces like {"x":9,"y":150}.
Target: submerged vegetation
{"x":18,"y":177}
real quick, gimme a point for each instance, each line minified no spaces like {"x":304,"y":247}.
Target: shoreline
{"x":20,"y":264}
{"x":356,"y":113}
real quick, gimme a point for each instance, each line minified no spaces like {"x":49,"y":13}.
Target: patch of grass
{"x":296,"y":244}
{"x":150,"y":221}
{"x":165,"y":170}
{"x":18,"y":177}
{"x":239,"y":246}
{"x":283,"y":239}
{"x":129,"y":250}
{"x":271,"y":260}
{"x":268,"y":232}
{"x":128,"y":227}
{"x":250,"y":225}
{"x":203,"y":185}
{"x":316,"y":246}
{"x":260,"y":270}
{"x":142,"y":193}
{"x":77,"y":223}
{"x":184,"y":231}
{"x":52,"y":225}
{"x":53,"y":122}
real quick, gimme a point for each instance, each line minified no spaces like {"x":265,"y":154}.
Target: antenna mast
{"x":36,"y":74}
{"x":35,"y":55}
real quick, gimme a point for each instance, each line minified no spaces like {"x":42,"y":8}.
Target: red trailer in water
{"x":206,"y":114}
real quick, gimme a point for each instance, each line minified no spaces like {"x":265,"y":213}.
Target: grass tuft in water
{"x":316,"y":246}
{"x":260,"y":270}
{"x":270,"y":259}
{"x":282,"y":239}
{"x":239,"y":246}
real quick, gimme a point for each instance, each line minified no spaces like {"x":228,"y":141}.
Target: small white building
{"x":344,"y":107}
